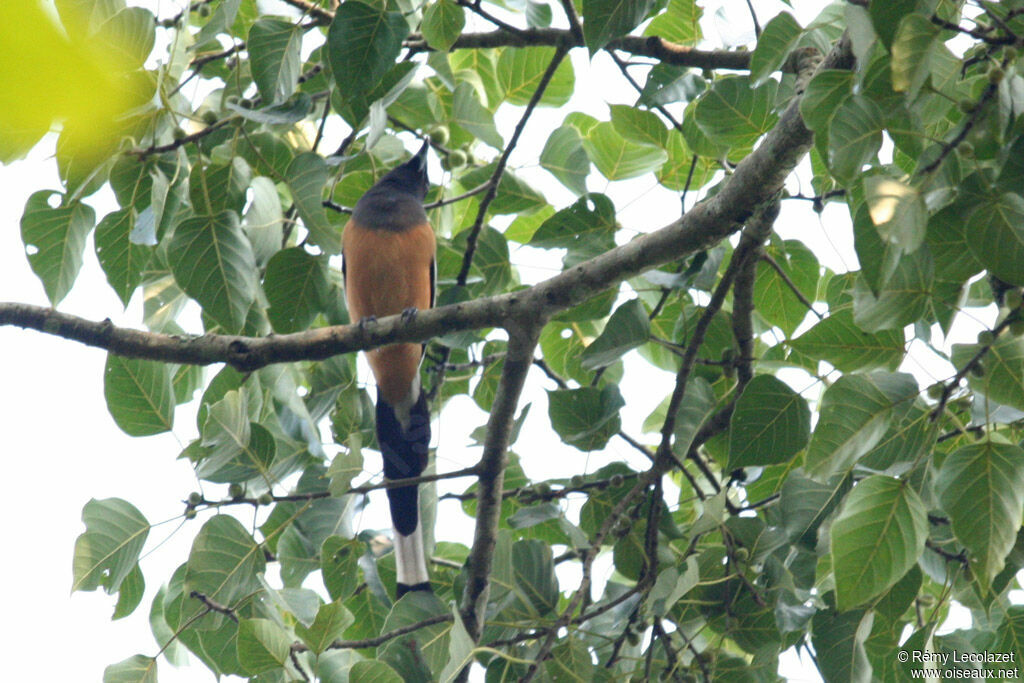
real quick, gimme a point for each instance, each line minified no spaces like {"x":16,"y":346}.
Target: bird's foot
{"x":368,"y":320}
{"x":409,"y":314}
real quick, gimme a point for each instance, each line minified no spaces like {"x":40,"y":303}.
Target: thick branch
{"x":757,"y":178}
{"x":491,"y":468}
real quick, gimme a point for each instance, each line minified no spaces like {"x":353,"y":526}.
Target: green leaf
{"x":538,"y":14}
{"x":996,"y":236}
{"x":585,"y":229}
{"x":422,"y":654}
{"x":443,"y":22}
{"x":839,"y":643}
{"x":222,"y":565}
{"x":262,"y":646}
{"x":108,"y":550}
{"x":679,"y":23}
{"x":604,"y":20}
{"x":363,"y":43}
{"x":911,"y":51}
{"x":637,"y":125}
{"x":129,"y":35}
{"x":1009,"y":636}
{"x":122,"y":259}
{"x":129,"y":594}
{"x":877,"y":538}
{"x":855,"y":136}
{"x":771,"y":423}
{"x":533,"y":570}
{"x":886,"y":17}
{"x":618,"y":158}
{"x":468,"y":112}
{"x":838,"y":340}
{"x":776,"y":42}
{"x":878,"y":258}
{"x":136,"y":669}
{"x":274,"y":54}
{"x":586,"y":417}
{"x":981,"y":488}
{"x":339,"y":565}
{"x":565,"y":158}
{"x":218,"y":187}
{"x":331,"y":621}
{"x":264,"y":221}
{"x":520,"y":70}
{"x":855,"y":413}
{"x":139,"y":395}
{"x":897,"y":210}
{"x":373,"y":671}
{"x":804,"y":504}
{"x":825,"y":92}
{"x":697,"y":405}
{"x":460,"y":649}
{"x":54,"y":241}
{"x":296,"y":287}
{"x":734,"y":114}
{"x":774,"y":299}
{"x":627,"y":328}
{"x":212,"y":261}
{"x":1003,"y":381}
{"x":514,"y":194}
{"x":306,"y":178}
{"x":904,"y":299}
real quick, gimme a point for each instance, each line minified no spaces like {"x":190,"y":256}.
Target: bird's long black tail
{"x":405,"y":451}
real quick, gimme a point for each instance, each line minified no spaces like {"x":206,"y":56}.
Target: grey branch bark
{"x":491,"y":472}
{"x":756,"y":179}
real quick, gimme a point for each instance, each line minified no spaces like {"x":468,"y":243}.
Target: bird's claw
{"x":363,"y":322}
{"x":409,"y":314}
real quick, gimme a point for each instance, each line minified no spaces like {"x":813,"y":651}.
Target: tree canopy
{"x":800,"y":483}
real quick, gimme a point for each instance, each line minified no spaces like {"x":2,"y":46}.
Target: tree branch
{"x":499,"y":167}
{"x":491,"y":468}
{"x":758,"y":177}
{"x":644,"y":46}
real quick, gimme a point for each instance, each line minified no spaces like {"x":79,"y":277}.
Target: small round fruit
{"x":935,"y":391}
{"x":236,"y":491}
{"x":1013,"y":299}
{"x":576,"y":481}
{"x":204,"y":11}
{"x":1017,"y":328}
{"x":457,"y":159}
{"x":210,"y":117}
{"x":265,"y":499}
{"x":440,"y":135}
{"x":195,"y":498}
{"x":986,"y":337}
{"x":967,"y":106}
{"x":179,"y":133}
{"x":978,"y":370}
{"x":996,"y":75}
{"x":543,"y":489}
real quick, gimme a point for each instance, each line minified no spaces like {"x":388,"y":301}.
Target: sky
{"x":62,"y":448}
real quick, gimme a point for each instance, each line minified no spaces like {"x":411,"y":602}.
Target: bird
{"x":389,"y":267}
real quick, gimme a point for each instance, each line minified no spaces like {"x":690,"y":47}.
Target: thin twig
{"x":499,"y":168}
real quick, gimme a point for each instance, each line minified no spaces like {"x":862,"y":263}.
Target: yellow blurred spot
{"x":57,"y":75}
{"x":886,"y":198}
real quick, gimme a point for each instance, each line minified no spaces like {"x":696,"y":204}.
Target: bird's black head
{"x":410,"y":177}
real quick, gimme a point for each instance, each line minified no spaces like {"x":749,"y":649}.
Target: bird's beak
{"x":422,"y":154}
